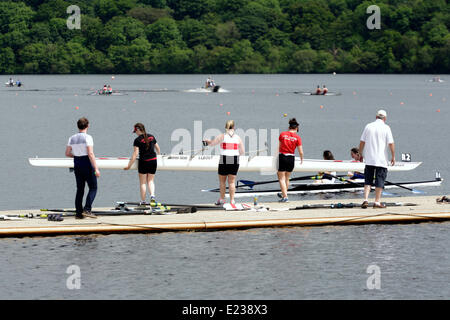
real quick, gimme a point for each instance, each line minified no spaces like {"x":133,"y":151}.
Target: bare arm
{"x":361,"y":149}
{"x":241,"y":147}
{"x":69,"y":152}
{"x":133,"y":158}
{"x":216,"y":141}
{"x":392,"y":148}
{"x":91,"y":155}
{"x":300,"y":152}
{"x":158,"y":150}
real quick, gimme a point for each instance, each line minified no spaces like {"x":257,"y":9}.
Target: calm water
{"x":288,"y":263}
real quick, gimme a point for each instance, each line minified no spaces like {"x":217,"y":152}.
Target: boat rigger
{"x":210,"y":163}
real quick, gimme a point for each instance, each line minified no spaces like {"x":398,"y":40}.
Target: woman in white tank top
{"x":231,"y":147}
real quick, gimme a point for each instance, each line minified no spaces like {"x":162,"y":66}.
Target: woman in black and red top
{"x":289,"y":141}
{"x":147,"y":148}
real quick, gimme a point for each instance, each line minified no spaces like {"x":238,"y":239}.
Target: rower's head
{"x":139,"y":129}
{"x":381,"y":114}
{"x":354,"y":152}
{"x":327,"y":155}
{"x":293,"y":124}
{"x":83,"y":123}
{"x":229,"y":125}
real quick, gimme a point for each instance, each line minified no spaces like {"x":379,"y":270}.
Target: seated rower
{"x":356,"y":156}
{"x":327,"y":176}
{"x":324,"y":90}
{"x":109,"y":89}
{"x":105,"y":88}
{"x":318,"y":90}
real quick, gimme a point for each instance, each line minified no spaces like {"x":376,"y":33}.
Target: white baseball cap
{"x":381,"y":113}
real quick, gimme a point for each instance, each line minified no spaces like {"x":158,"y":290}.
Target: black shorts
{"x":149,"y":166}
{"x":286,"y":163}
{"x":228,"y":165}
{"x":378,"y":174}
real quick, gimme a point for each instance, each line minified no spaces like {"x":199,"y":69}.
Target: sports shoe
{"x":365,"y":204}
{"x":88,"y":214}
{"x":379,"y":206}
{"x":152,"y":199}
{"x":283,"y":200}
{"x":220,"y":202}
{"x":79,"y":216}
{"x":143,"y":203}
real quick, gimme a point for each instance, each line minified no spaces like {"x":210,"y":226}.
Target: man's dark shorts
{"x":377,"y":173}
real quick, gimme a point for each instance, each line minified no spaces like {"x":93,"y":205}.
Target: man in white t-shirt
{"x":80,"y":147}
{"x":375,"y":140}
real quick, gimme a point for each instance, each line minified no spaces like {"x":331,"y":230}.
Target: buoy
{"x":112,"y":78}
{"x":431,"y":94}
{"x":77,"y":107}
{"x":285,"y":115}
{"x":438,"y":110}
{"x":334,"y":73}
{"x":321,"y":107}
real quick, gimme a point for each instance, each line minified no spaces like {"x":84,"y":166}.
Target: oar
{"x":250,"y":183}
{"x":401,"y":186}
{"x":362,"y":185}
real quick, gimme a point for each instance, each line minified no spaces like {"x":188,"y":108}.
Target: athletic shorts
{"x":378,"y":174}
{"x":286,"y":163}
{"x":149,"y":166}
{"x":228,"y":165}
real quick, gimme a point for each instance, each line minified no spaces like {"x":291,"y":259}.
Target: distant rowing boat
{"x":210,"y":163}
{"x":210,"y":89}
{"x":114,"y":93}
{"x":315,"y":94}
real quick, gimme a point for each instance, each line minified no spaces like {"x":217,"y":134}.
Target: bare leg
{"x":231,"y":187}
{"x":378,"y":192}
{"x":287,"y":176}
{"x":143,"y":185}
{"x":222,"y":182}
{"x":366,"y":192}
{"x":282,"y":181}
{"x":151,"y":184}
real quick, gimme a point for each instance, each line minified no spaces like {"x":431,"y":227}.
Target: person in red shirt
{"x":289,"y":141}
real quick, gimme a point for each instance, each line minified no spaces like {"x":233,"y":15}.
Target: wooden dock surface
{"x":425,"y":210}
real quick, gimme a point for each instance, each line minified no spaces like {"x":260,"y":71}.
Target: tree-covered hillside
{"x":224,"y":36}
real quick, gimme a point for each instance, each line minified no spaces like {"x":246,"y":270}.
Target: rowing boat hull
{"x":211,"y":162}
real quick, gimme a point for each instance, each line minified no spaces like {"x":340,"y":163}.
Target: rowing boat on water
{"x":308,"y":188}
{"x":315,"y":94}
{"x":210,"y":163}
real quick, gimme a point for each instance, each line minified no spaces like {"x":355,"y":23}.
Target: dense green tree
{"x":224,"y":36}
{"x":164,"y":32}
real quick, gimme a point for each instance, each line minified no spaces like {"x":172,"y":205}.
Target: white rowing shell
{"x":210,"y":163}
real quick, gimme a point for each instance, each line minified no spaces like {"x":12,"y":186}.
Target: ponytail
{"x":141,"y":128}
